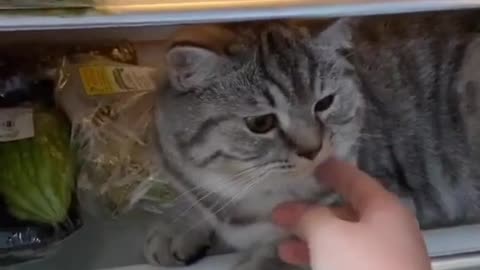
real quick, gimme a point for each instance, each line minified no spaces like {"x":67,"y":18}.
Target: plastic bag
{"x":32,"y":223}
{"x":109,"y":101}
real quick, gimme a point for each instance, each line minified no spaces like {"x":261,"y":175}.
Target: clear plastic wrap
{"x":38,"y":207}
{"x":109,"y":101}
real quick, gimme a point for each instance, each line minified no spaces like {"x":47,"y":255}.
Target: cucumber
{"x":38,"y":174}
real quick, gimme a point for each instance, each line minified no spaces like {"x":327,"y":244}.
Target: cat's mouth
{"x":324,"y":153}
{"x":326,"y":150}
{"x":304,"y":166}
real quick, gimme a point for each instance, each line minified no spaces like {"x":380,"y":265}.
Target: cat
{"x":249,"y":112}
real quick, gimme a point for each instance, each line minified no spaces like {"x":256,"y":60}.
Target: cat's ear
{"x":190,"y":66}
{"x":338,"y":34}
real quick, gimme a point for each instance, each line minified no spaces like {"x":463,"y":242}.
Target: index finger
{"x":359,"y":189}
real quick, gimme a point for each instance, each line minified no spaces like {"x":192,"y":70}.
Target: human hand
{"x":372,"y":232}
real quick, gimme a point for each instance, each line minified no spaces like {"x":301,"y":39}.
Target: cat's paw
{"x":190,"y":247}
{"x":169,"y":248}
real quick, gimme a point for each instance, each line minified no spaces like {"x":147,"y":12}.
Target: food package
{"x":37,"y":197}
{"x":109,"y":101}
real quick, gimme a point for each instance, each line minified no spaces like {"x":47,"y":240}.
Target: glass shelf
{"x":114,"y":13}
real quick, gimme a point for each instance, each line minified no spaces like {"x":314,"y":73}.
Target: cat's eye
{"x":261,"y":124}
{"x":324,"y":103}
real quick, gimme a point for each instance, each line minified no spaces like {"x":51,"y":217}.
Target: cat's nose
{"x":310,"y":154}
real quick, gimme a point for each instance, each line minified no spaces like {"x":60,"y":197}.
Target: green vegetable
{"x":37,"y":175}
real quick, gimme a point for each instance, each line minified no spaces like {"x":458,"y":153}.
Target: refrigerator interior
{"x":111,"y":244}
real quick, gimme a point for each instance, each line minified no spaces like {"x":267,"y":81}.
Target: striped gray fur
{"x":414,"y":126}
{"x":403,"y":106}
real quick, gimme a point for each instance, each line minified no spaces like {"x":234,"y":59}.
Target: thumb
{"x":360,"y":190}
{"x":304,"y":220}
{"x":315,"y":222}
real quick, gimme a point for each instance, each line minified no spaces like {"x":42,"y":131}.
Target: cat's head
{"x":280,"y":103}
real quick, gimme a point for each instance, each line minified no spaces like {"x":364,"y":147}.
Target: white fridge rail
{"x":117,"y":13}
{"x":455,"y":248}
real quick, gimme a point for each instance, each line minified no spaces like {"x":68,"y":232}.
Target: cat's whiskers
{"x":254,"y":181}
{"x":223,"y":187}
{"x":248,"y":182}
{"x":234,"y":185}
{"x":199,"y":187}
{"x":243,"y":183}
{"x":185,"y":193}
{"x":242,"y":192}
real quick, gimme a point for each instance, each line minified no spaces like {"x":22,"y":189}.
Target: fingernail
{"x":324,"y":166}
{"x":326,"y":171}
{"x":294,"y":252}
{"x":288,"y":214}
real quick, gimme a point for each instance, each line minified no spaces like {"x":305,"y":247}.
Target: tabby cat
{"x":250,"y":111}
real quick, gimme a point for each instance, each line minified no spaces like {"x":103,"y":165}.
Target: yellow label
{"x":105,"y":80}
